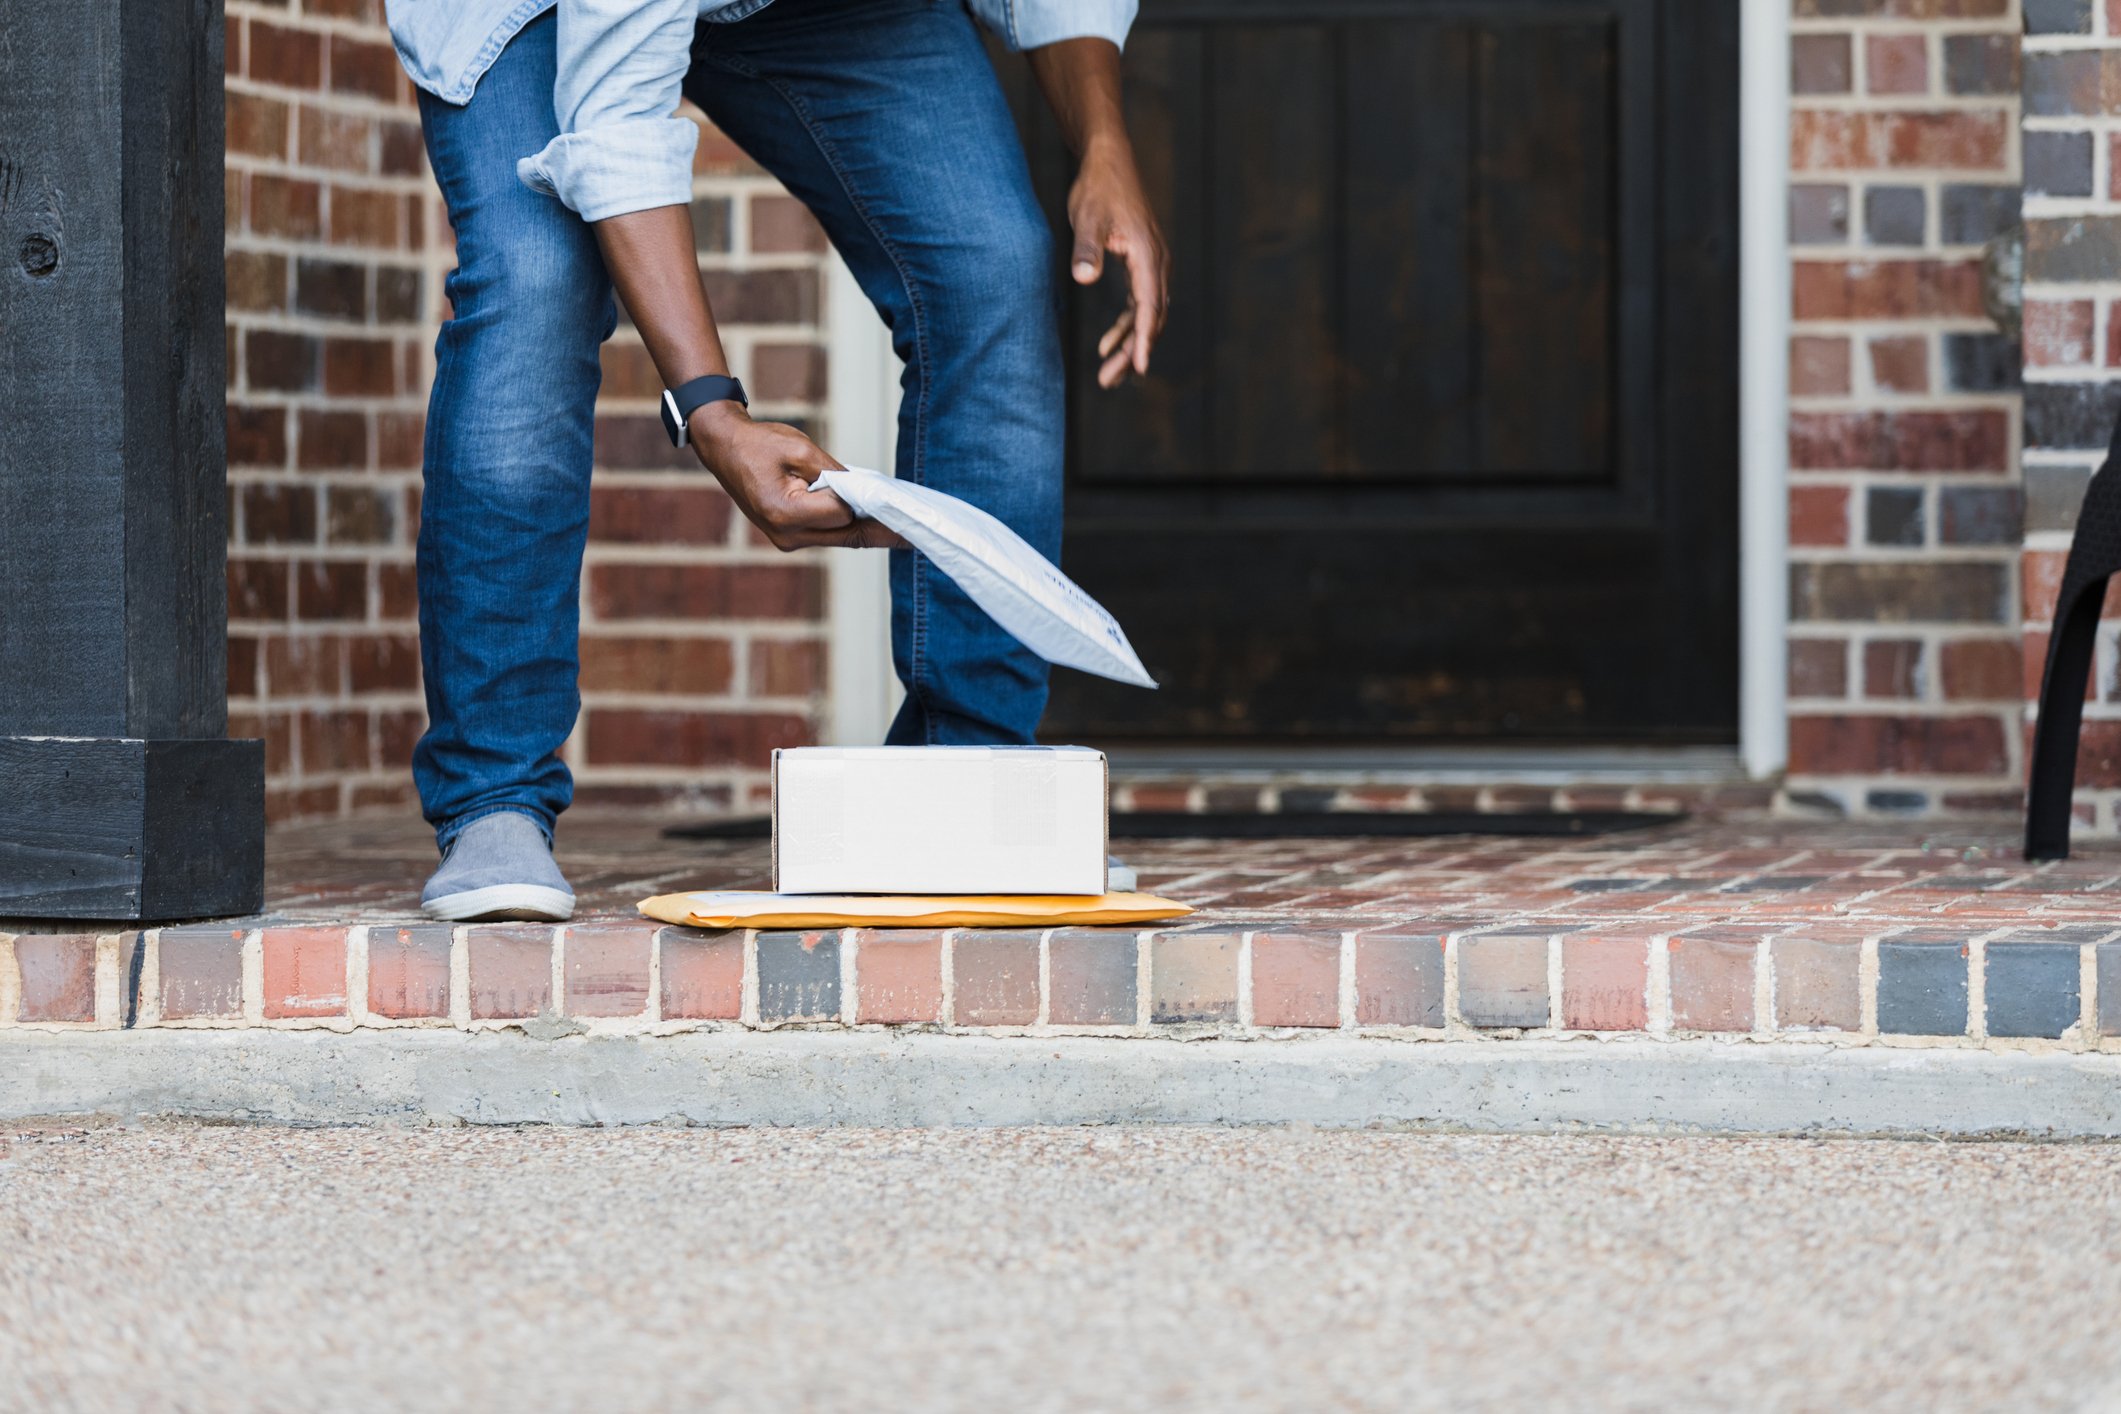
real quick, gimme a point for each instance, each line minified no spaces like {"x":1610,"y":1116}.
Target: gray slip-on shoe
{"x":499,"y":866}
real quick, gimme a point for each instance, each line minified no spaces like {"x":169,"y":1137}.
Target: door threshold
{"x":1440,"y":765}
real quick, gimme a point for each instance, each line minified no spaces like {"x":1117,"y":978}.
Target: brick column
{"x":2072,"y":339}
{"x":1904,"y":512}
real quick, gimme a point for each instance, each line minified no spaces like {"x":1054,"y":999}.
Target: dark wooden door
{"x":1441,"y":442}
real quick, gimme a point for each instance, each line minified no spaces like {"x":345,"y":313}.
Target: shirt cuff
{"x":633,"y":165}
{"x":1038,"y":25}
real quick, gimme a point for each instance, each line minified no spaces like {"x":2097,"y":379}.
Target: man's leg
{"x":505,"y":510}
{"x":884,"y":116}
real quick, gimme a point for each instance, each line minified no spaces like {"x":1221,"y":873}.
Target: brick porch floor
{"x":1765,"y":929}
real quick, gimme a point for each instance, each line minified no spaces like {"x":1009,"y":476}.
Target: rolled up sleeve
{"x":1030,"y":24}
{"x":621,"y":146}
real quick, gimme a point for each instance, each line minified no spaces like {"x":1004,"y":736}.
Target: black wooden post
{"x":120,"y":796}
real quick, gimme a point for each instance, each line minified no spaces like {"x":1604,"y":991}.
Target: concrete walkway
{"x":172,"y":1267}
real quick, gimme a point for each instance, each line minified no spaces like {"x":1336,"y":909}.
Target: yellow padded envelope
{"x":745,"y":909}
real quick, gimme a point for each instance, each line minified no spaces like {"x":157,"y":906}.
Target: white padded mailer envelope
{"x":939,"y":820}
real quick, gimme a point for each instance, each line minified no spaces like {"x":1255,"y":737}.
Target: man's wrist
{"x":712,"y":424}
{"x":1107,"y":143}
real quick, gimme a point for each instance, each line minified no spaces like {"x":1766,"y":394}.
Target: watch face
{"x":672,"y":423}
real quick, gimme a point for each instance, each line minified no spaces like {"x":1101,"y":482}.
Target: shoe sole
{"x":524,"y":903}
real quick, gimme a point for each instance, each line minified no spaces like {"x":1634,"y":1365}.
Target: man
{"x":554,"y":137}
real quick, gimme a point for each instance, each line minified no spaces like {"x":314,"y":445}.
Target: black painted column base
{"x":121,"y":828}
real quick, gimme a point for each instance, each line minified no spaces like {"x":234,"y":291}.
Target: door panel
{"x":1440,"y":443}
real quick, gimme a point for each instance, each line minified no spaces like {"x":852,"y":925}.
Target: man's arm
{"x":1107,"y":207}
{"x":623,"y":162}
{"x":766,"y":467}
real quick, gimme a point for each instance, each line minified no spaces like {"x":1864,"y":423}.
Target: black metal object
{"x":1308,"y":825}
{"x":120,"y":796}
{"x":2094,"y":556}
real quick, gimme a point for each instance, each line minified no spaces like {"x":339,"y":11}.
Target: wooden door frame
{"x":864,"y":383}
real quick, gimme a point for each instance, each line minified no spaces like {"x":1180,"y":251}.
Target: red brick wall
{"x":1905,"y":505}
{"x":702,"y":647}
{"x":331,"y":293}
{"x":2072,"y":340}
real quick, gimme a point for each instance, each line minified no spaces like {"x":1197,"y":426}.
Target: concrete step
{"x":924,"y":1079}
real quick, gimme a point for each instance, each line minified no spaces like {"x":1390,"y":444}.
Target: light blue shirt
{"x":622,"y":64}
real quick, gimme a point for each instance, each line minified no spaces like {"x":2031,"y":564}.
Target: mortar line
{"x":1144,"y":976}
{"x":850,"y":975}
{"x":748,"y":1005}
{"x":1044,"y":1015}
{"x":2088,"y":994}
{"x":460,"y":977}
{"x":10,"y":981}
{"x":1867,"y":986}
{"x":557,"y":958}
{"x":253,"y":984}
{"x":1764,"y":988}
{"x":1651,"y":946}
{"x":652,"y":1014}
{"x":1554,"y":981}
{"x":1347,"y":979}
{"x":1452,"y":1013}
{"x":1977,"y":988}
{"x":150,"y":1013}
{"x":947,"y":1012}
{"x":357,"y":977}
{"x":1658,"y":1022}
{"x":109,"y":1011}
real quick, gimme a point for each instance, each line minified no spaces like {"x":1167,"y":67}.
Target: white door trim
{"x":861,"y":429}
{"x":1763,"y":386}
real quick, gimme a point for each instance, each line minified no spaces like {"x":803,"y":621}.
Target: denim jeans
{"x":886,"y":119}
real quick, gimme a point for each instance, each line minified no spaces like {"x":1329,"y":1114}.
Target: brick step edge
{"x":1897,"y":985}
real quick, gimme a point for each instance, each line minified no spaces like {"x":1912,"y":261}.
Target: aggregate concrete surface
{"x":185,"y":1267}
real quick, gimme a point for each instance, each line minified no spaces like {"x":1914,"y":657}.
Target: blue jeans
{"x":885,"y":118}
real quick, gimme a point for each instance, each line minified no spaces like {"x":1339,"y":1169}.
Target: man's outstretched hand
{"x":1107,"y":207}
{"x":1110,"y":214}
{"x":767,"y":468}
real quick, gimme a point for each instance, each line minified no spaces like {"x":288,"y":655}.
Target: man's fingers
{"x":1114,"y":369}
{"x":1145,"y":275}
{"x":873,"y":535}
{"x":806,"y":508}
{"x":814,"y":516}
{"x":861,"y":535}
{"x":1121,"y":327}
{"x":1088,"y":262}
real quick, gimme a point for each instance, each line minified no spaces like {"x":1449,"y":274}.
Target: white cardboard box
{"x":939,"y":820}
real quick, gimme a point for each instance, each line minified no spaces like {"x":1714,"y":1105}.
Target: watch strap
{"x":681,"y":402}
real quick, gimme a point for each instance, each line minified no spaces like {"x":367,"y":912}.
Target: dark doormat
{"x":1337,"y":824}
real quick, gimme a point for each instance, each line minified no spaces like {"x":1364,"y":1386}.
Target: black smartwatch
{"x":679,"y":404}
